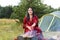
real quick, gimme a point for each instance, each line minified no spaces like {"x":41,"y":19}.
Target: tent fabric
{"x":57,"y":13}
{"x":48,"y":23}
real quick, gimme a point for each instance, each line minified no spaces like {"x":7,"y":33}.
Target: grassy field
{"x":9,"y":29}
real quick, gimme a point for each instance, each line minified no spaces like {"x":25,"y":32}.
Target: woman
{"x":30,"y":25}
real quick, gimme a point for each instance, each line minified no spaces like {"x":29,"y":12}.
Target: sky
{"x":53,"y":3}
{"x":9,"y":2}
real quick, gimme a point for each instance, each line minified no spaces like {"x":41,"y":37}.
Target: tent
{"x":50,"y":22}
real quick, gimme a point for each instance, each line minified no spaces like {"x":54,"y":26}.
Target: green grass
{"x":9,"y":29}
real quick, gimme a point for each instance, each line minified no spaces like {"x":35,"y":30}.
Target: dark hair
{"x":28,"y":17}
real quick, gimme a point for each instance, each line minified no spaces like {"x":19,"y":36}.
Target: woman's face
{"x":30,"y":11}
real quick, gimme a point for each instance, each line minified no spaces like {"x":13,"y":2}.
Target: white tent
{"x":50,"y":22}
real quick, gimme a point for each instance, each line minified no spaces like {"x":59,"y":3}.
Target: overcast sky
{"x":53,"y":3}
{"x":9,"y":2}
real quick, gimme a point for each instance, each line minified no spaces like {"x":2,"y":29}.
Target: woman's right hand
{"x":29,"y":27}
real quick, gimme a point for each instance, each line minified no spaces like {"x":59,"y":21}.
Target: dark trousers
{"x":21,"y":38}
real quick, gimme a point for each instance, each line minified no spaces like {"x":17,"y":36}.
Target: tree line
{"x":19,"y":11}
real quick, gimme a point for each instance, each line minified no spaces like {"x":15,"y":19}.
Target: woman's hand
{"x":30,"y":27}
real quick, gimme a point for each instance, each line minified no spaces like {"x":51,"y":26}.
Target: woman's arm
{"x":25,"y":25}
{"x":29,"y":27}
{"x":34,"y":23}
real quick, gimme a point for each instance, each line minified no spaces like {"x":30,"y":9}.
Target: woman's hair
{"x":28,"y":17}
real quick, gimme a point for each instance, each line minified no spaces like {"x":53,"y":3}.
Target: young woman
{"x":30,"y":25}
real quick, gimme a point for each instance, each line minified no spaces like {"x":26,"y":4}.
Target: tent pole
{"x":50,"y":24}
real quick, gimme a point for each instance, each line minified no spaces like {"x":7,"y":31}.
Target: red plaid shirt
{"x":34,"y":20}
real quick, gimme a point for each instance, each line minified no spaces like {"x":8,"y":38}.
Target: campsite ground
{"x":9,"y":29}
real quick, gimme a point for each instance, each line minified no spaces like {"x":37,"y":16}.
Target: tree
{"x":39,"y":9}
{"x":5,"y":12}
{"x":58,"y":9}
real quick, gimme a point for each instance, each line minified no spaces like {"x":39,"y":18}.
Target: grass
{"x":9,"y":29}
